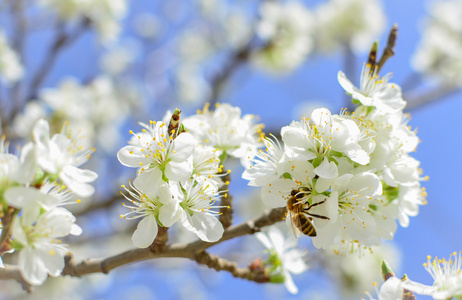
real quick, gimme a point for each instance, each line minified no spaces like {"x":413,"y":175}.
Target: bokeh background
{"x":167,"y":55}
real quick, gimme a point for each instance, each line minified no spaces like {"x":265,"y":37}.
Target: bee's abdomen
{"x":307,"y":228}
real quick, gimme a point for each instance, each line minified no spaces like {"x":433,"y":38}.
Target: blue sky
{"x":435,"y":231}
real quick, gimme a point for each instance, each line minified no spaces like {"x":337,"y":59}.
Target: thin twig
{"x":218,"y":82}
{"x":20,"y":31}
{"x":13,"y":273}
{"x":220,"y":264}
{"x":422,"y":99}
{"x":99,"y":205}
{"x":191,"y":250}
{"x":7,"y":225}
{"x":61,"y":40}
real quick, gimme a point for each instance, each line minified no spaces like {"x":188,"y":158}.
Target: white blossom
{"x":438,"y":53}
{"x":42,"y":253}
{"x":447,"y":276}
{"x":287,"y":30}
{"x":226,"y":130}
{"x":290,"y":259}
{"x":14,"y":169}
{"x":11,"y":69}
{"x":61,"y":156}
{"x":197,"y":198}
{"x":374,"y":91}
{"x":153,"y":202}
{"x":355,"y":23}
{"x":104,"y":15}
{"x":268,"y":164}
{"x":353,"y":221}
{"x":154,"y":148}
{"x":31,"y":200}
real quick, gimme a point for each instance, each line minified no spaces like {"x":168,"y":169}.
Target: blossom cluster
{"x":11,"y":69}
{"x":104,"y":15}
{"x":34,"y":184}
{"x":446,"y":274}
{"x":438,"y":53}
{"x":97,"y":109}
{"x":350,"y":175}
{"x":292,"y":31}
{"x":180,"y":170}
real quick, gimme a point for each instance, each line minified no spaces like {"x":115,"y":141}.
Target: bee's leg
{"x":317,"y":216}
{"x":314,"y":204}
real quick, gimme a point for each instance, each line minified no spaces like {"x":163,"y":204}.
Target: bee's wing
{"x":295,"y":224}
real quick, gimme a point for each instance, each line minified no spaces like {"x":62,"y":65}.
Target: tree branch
{"x":12,"y":272}
{"x":428,"y":97}
{"x":100,"y":205}
{"x":220,"y":264}
{"x":218,"y":82}
{"x":192,"y":250}
{"x":61,"y":40}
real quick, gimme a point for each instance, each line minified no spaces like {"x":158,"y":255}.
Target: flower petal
{"x":183,"y":147}
{"x":145,"y":232}
{"x":32,"y":267}
{"x":179,"y":171}
{"x":205,"y":226}
{"x":132,"y":156}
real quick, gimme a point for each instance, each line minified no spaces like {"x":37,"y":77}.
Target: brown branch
{"x":427,"y":97}
{"x":62,"y":40}
{"x":220,"y":264}
{"x":7,"y":225}
{"x":100,"y":205}
{"x":12,"y":272}
{"x":160,"y":242}
{"x":191,"y":250}
{"x":218,"y":82}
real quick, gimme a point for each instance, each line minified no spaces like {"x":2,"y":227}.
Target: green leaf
{"x":335,"y":154}
{"x":317,"y":161}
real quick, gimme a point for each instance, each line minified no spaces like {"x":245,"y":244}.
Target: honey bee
{"x":300,"y":217}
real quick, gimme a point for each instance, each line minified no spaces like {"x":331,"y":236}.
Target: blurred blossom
{"x":438,"y":53}
{"x":284,"y":258}
{"x":23,"y":123}
{"x":95,"y":109}
{"x":356,"y":272}
{"x":11,"y":69}
{"x":194,"y":45}
{"x":237,"y":28}
{"x":119,"y":58}
{"x":355,"y":23}
{"x":192,"y":87}
{"x":286,"y":29}
{"x":103,"y":14}
{"x":147,"y":25}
